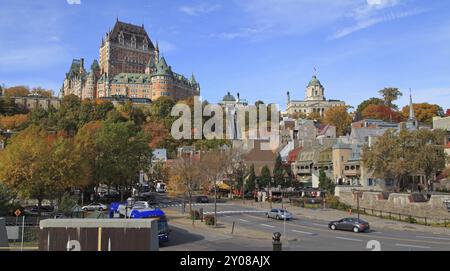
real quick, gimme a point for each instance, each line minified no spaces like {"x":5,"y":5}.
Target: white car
{"x":95,"y":207}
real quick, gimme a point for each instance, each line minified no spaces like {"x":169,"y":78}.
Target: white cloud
{"x":371,"y":21}
{"x":74,"y":2}
{"x":243,"y":33}
{"x":382,"y":3}
{"x":199,"y":9}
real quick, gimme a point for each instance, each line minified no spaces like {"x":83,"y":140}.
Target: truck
{"x":125,"y":210}
{"x":160,"y":188}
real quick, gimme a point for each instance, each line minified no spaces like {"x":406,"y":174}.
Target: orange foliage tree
{"x":381,"y":112}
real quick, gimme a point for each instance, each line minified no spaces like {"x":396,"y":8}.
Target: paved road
{"x":302,"y":234}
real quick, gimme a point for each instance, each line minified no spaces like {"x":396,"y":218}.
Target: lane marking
{"x":265,"y":225}
{"x":349,"y":233}
{"x":303,"y":232}
{"x":322,"y":225}
{"x":434,"y":238}
{"x":243,"y":220}
{"x":412,"y":246}
{"x":349,"y":239}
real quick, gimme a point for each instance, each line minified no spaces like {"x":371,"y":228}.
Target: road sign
{"x":17,"y":212}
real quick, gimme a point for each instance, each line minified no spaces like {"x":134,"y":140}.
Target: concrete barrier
{"x":98,"y":235}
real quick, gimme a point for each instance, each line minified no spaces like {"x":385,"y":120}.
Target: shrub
{"x":334,"y":203}
{"x":209,"y":220}
{"x":411,"y":220}
{"x":195,"y":215}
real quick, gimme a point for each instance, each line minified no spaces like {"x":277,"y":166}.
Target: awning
{"x":224,"y":186}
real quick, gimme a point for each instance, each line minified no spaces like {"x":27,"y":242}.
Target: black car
{"x":202,"y":199}
{"x":350,"y":224}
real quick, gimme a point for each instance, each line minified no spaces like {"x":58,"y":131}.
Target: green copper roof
{"x":228,"y":98}
{"x":95,"y":65}
{"x":131,"y":78}
{"x":314,"y":82}
{"x":193,"y":81}
{"x":162,"y":68}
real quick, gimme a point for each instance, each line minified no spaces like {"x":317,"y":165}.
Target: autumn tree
{"x":36,"y":167}
{"x":340,"y":118}
{"x":215,"y":165}
{"x":13,"y":122}
{"x":42,"y":92}
{"x":390,"y":95}
{"x":159,"y":172}
{"x":371,"y":101}
{"x":424,"y":112}
{"x":381,"y":112}
{"x":316,"y":116}
{"x":88,"y":148}
{"x":17,"y":91}
{"x":398,"y":156}
{"x":185,"y":177}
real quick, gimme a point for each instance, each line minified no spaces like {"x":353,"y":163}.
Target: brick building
{"x":130,"y":65}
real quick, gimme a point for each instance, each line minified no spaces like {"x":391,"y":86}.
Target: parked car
{"x":141,"y":205}
{"x":202,"y":199}
{"x":279,"y":214}
{"x":350,"y":224}
{"x":95,"y":207}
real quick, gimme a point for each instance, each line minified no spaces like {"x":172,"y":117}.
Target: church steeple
{"x":411,"y":107}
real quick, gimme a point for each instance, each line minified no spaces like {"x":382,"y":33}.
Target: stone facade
{"x":35,"y":101}
{"x":129,"y":66}
{"x":315,"y":101}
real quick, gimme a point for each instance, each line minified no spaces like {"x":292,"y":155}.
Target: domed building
{"x":315,"y":101}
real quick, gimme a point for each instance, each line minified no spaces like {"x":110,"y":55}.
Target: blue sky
{"x":260,"y":48}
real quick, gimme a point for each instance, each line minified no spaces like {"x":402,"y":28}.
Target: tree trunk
{"x":215,"y":203}
{"x":39,"y":207}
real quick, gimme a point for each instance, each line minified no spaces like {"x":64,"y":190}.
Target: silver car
{"x":95,"y":207}
{"x":279,"y":214}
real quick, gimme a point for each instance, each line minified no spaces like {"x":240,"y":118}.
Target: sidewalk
{"x":332,"y":214}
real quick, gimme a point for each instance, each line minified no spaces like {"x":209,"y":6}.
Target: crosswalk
{"x":161,"y":206}
{"x":235,"y":212}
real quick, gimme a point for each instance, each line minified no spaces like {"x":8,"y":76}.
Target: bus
{"x":126,"y":211}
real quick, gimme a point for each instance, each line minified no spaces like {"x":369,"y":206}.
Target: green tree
{"x":325,"y":182}
{"x":390,"y":95}
{"x":250,"y":183}
{"x":278,"y":172}
{"x":265,"y":177}
{"x":123,"y":152}
{"x":69,"y":113}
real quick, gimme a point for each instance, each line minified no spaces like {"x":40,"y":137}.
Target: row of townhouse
{"x":309,"y":149}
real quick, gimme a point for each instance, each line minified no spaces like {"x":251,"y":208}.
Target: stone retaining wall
{"x":399,"y":203}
